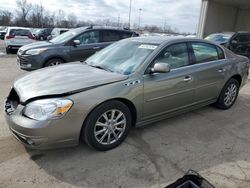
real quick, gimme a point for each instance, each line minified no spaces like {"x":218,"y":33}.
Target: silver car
{"x":131,"y":83}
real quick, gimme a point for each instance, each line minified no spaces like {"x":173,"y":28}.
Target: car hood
{"x":42,"y":44}
{"x":63,"y":80}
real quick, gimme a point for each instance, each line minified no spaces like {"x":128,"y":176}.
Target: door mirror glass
{"x":234,"y":41}
{"x":76,"y":42}
{"x":49,"y":37}
{"x":160,"y":68}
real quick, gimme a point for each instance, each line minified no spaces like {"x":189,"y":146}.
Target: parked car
{"x":42,"y":34}
{"x":16,"y":37}
{"x":74,"y":45}
{"x":2,"y":34}
{"x":238,"y":42}
{"x":56,"y":32}
{"x":130,"y":83}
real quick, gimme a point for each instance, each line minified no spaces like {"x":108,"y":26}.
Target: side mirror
{"x":160,"y":68}
{"x":234,"y":42}
{"x":49,"y":37}
{"x":76,"y":42}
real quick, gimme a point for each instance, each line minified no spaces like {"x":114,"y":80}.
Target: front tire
{"x":53,"y":62}
{"x":107,"y":126}
{"x":228,"y":94}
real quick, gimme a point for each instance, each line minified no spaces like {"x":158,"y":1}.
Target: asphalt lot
{"x":211,"y":141}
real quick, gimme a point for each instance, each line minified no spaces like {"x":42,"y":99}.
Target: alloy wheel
{"x":110,"y":126}
{"x":54,"y":63}
{"x":230,"y":94}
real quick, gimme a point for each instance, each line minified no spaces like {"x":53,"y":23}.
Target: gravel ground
{"x":211,"y":141}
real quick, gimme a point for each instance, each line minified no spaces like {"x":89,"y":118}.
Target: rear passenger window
{"x":204,"y":52}
{"x":242,"y":38}
{"x":110,"y":36}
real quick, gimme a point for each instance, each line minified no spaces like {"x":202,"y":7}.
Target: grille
{"x":22,"y":60}
{"x":11,"y":102}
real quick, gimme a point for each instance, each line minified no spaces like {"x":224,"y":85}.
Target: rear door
{"x":89,"y":44}
{"x":210,"y":67}
{"x":109,"y":37}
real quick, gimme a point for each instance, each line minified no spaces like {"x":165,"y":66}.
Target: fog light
{"x":29,"y":141}
{"x":26,"y":65}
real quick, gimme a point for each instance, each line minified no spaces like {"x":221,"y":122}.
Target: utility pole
{"x":129,"y":17}
{"x":164,"y":26}
{"x":139,"y":21}
{"x":118,"y":21}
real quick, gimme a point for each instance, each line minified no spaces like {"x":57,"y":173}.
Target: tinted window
{"x":20,"y":32}
{"x":242,"y":38}
{"x":89,"y":37}
{"x":204,"y":52}
{"x":124,"y":35}
{"x":109,"y":36}
{"x":176,"y":56}
{"x":63,"y":31}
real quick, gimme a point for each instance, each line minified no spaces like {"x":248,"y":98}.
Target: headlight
{"x":47,"y":109}
{"x":35,"y":51}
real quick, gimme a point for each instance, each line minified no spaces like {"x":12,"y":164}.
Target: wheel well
{"x":238,"y":78}
{"x":131,"y":108}
{"x":53,"y":58}
{"x":127,"y":102}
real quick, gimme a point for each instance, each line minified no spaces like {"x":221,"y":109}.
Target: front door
{"x":89,"y":44}
{"x":166,"y":92}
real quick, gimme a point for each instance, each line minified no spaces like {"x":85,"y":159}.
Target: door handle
{"x":96,"y":48}
{"x":221,"y":70}
{"x":187,"y":79}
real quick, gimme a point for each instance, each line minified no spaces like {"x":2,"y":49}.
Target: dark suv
{"x":42,"y":34}
{"x":74,"y":45}
{"x":238,"y":42}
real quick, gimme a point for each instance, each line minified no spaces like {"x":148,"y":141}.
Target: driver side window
{"x":88,"y":37}
{"x":175,"y":55}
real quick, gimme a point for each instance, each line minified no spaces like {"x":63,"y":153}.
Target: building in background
{"x":223,"y":15}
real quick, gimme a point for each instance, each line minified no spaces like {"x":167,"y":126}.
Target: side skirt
{"x":174,"y":113}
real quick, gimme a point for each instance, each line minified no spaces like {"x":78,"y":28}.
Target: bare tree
{"x":72,"y":19}
{"x":60,"y":17}
{"x":5,"y":18}
{"x":23,"y":10}
{"x":37,"y":15}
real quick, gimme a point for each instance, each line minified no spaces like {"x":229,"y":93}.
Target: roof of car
{"x":163,"y":39}
{"x":102,"y":27}
{"x":19,"y":28}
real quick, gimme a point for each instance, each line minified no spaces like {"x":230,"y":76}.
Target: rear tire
{"x":8,"y":51}
{"x":107,"y":126}
{"x":228,"y":94}
{"x":53,"y":62}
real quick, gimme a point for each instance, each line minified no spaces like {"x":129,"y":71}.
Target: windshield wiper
{"x":99,"y":67}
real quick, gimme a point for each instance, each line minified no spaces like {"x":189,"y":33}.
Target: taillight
{"x":10,"y":36}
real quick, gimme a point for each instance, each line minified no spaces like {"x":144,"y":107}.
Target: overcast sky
{"x":181,"y":14}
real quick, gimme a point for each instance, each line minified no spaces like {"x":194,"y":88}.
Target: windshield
{"x":64,"y":37}
{"x":219,"y":38}
{"x":122,"y":57}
